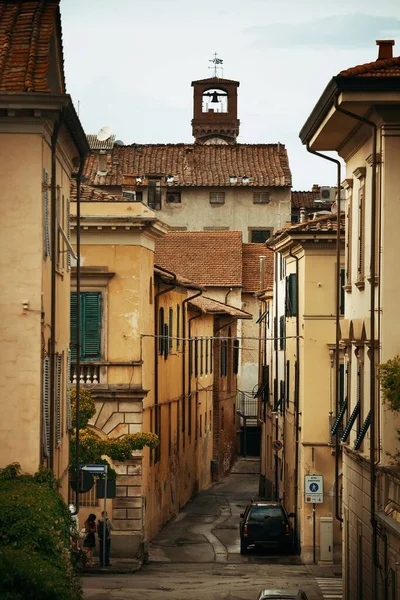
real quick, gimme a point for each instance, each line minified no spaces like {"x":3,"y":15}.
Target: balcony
{"x":94,"y":372}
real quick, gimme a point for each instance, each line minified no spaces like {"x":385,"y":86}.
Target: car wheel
{"x":243,"y":547}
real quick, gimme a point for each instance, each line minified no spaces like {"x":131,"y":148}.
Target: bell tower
{"x":215,"y":111}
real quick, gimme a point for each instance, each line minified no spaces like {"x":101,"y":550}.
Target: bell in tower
{"x":215,"y":111}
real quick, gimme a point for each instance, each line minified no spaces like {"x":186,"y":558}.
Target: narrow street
{"x":197,"y":555}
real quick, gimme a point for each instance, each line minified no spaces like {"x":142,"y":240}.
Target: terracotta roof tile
{"x":324,"y":224}
{"x":210,"y":258}
{"x":208,"y":305}
{"x":26,"y":29}
{"x":251,"y":267}
{"x":387,"y":67}
{"x":301,"y":199}
{"x":92,"y":194}
{"x":215,"y":80}
{"x":194,"y":164}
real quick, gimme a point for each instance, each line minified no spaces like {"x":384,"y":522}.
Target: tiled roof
{"x":208,"y":305}
{"x":174,"y":277}
{"x":324,"y":224}
{"x":216,"y":80}
{"x":307,"y":200}
{"x":209,"y":258}
{"x":26,"y":29}
{"x":195,"y":164}
{"x":92,"y":194}
{"x":387,"y":67}
{"x":96,"y":144}
{"x":251,"y":267}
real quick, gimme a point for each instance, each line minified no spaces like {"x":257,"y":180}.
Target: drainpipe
{"x":296,"y":408}
{"x":372,"y":372}
{"x":337,"y":327}
{"x":78,"y":329}
{"x":189,"y":378}
{"x":227,"y":294}
{"x":185,"y":301}
{"x":53,"y":284}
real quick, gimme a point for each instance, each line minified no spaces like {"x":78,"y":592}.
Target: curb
{"x":115,"y":569}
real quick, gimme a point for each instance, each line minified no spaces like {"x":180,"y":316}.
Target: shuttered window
{"x":236,"y":357}
{"x":261,"y":197}
{"x":170,"y":328}
{"x":68,"y":387}
{"x":46,"y":406}
{"x":282,"y":333}
{"x":259,"y":236}
{"x":46,"y":215}
{"x":361,"y":234}
{"x":217,"y":197}
{"x":59,"y":373}
{"x":90,"y":325}
{"x":291,"y":295}
{"x":154,"y":194}
{"x":342,"y":292}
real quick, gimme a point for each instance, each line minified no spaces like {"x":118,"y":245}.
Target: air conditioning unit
{"x":326,"y":192}
{"x":129,"y":196}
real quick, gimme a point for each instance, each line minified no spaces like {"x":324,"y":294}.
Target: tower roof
{"x":215,"y":80}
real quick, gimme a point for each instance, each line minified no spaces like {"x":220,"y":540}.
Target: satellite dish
{"x":104,"y":133}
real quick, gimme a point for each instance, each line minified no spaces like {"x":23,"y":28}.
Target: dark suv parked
{"x":265,"y":524}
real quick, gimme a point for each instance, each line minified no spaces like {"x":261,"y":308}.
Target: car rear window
{"x":258,"y":513}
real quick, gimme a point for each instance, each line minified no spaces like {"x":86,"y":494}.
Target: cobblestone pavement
{"x":197,"y":554}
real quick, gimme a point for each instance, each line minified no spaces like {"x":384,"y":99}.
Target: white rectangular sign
{"x":94,"y":468}
{"x":314,"y":489}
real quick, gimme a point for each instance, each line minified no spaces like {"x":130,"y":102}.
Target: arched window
{"x":214,"y":100}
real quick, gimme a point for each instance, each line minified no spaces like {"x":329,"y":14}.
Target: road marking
{"x":331,"y":588}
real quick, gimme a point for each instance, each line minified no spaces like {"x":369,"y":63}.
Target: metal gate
{"x":250,"y":431}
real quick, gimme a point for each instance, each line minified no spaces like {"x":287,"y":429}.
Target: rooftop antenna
{"x":217,"y":61}
{"x":104,"y":133}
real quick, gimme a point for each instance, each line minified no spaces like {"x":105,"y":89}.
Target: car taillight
{"x":245,"y":530}
{"x":287,"y":529}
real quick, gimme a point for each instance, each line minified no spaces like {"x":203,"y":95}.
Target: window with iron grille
{"x":260,"y":236}
{"x":217,"y":197}
{"x":90,"y":325}
{"x":236,"y":356}
{"x":261,"y":197}
{"x":282,"y":340}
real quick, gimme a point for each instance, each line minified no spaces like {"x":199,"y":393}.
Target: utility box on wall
{"x":326,"y":539}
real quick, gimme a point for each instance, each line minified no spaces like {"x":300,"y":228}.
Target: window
{"x":217,"y":197}
{"x":260,"y":236}
{"x":174,"y":197}
{"x":261,"y":197}
{"x":170,"y":329}
{"x":342,"y":292}
{"x":46,"y":215}
{"x":201,"y":355}
{"x":236,"y":357}
{"x":224,"y":358}
{"x":291,"y":295}
{"x":282,"y":339}
{"x":196,"y":357}
{"x":349,"y":225}
{"x":161,"y":331}
{"x":90,"y":325}
{"x":211,"y":354}
{"x":361,"y":234}
{"x":178,"y":331}
{"x":58,"y":402}
{"x":154,"y":194}
{"x":207,"y":342}
{"x":46,"y":406}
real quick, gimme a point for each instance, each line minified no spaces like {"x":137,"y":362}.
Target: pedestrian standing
{"x":90,"y":540}
{"x":104,"y":527}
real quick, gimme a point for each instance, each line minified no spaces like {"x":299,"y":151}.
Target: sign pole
{"x":313,"y":534}
{"x":105,"y":518}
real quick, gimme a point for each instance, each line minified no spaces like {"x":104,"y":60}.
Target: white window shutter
{"x":59,"y":365}
{"x":46,"y":406}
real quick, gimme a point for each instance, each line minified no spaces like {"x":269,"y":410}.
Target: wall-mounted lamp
{"x":245,"y":180}
{"x":170,"y":179}
{"x":25,"y":305}
{"x":232,"y":179}
{"x":139,"y":180}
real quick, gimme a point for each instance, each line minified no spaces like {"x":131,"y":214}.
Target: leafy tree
{"x":95,"y":450}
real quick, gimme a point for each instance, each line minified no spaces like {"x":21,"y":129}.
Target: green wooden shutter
{"x":59,"y":370}
{"x":292,"y":291}
{"x":46,"y":405}
{"x":68,"y":388}
{"x":91,"y":325}
{"x":73,"y":323}
{"x":46,"y":215}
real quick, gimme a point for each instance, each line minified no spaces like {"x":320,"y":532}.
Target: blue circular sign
{"x":314,"y":487}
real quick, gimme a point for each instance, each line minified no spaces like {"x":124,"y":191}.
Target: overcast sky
{"x":130,"y":64}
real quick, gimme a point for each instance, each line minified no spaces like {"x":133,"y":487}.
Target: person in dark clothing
{"x":90,"y":539}
{"x":104,"y":527}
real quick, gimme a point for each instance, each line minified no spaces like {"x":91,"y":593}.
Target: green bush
{"x":35,"y":539}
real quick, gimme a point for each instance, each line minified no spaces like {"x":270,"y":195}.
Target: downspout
{"x":337,"y":327}
{"x":185,"y":301}
{"x":227,"y":294}
{"x":52,"y":348}
{"x":372,"y":372}
{"x":296,"y":407}
{"x":78,"y":329}
{"x":276,"y":386}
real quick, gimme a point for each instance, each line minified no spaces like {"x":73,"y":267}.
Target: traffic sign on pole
{"x":95,"y":469}
{"x":277,"y":445}
{"x":314,"y":489}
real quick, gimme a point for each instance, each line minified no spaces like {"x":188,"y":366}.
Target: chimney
{"x":385,"y":49}
{"x":315,"y":187}
{"x":302,"y":214}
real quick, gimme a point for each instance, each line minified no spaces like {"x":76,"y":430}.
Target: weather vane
{"x":218,"y":62}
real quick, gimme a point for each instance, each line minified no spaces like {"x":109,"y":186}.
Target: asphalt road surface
{"x":197,"y":557}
